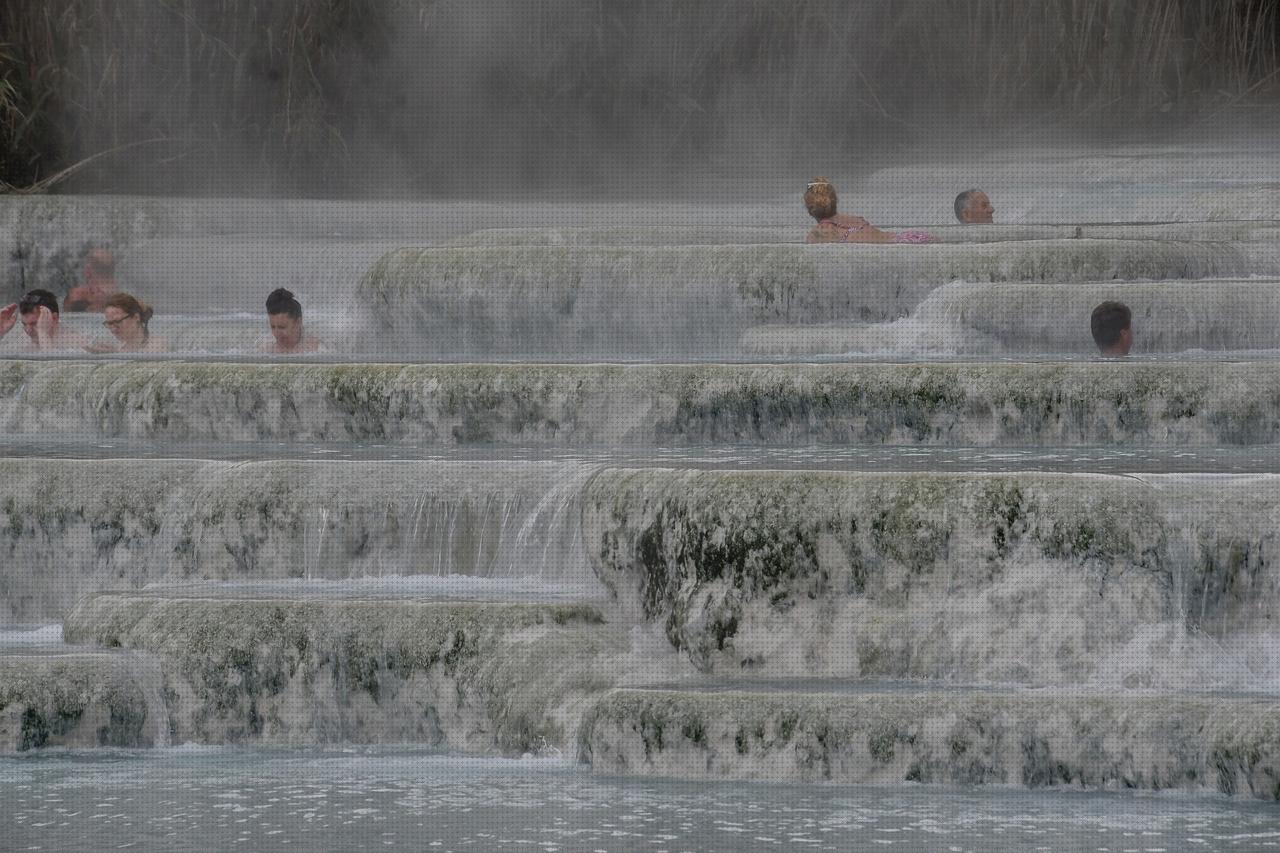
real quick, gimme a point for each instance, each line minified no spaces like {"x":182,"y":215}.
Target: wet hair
{"x":820,"y":199}
{"x":281,"y":301}
{"x":962,"y":202}
{"x":34,"y":299}
{"x":1107,"y":322}
{"x":131,"y":308}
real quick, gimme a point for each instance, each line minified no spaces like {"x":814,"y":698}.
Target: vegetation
{"x":343,"y":97}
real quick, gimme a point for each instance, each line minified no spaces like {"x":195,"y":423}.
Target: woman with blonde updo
{"x":127,"y":319}
{"x":832,"y":227}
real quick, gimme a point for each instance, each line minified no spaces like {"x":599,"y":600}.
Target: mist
{"x":413,"y":99}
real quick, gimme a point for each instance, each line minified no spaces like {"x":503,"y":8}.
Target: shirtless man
{"x":38,"y":310}
{"x":974,"y":208}
{"x":284,"y":316}
{"x":99,"y":283}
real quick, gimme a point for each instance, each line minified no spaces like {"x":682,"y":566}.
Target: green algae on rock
{"x":476,"y":676}
{"x":564,"y":405}
{"x":958,"y":737}
{"x":74,"y":700}
{"x":894,"y":575}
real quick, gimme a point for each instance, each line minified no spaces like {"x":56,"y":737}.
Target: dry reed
{"x":270,"y":94}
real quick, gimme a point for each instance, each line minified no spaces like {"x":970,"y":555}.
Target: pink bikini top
{"x":911,"y":235}
{"x":849,"y":230}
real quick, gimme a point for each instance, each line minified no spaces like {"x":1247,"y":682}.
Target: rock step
{"x":75,"y":526}
{"x":1028,"y":578}
{"x":703,"y":235}
{"x":719,"y":235}
{"x":1011,"y":317}
{"x":956,"y":404}
{"x":607,"y":301}
{"x":79,"y":699}
{"x":469,"y":676}
{"x":1032,"y":739}
{"x":725,"y":560}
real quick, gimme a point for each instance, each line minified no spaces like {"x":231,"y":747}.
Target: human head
{"x":820,"y":199}
{"x":99,"y":263}
{"x":29,"y":307}
{"x":1112,"y":328}
{"x":973,"y":207}
{"x":127,"y":318}
{"x":284,"y":315}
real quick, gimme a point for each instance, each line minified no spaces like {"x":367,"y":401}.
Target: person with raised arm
{"x":38,"y":311}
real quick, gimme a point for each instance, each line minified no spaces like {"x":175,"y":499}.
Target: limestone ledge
{"x":1027,"y":577}
{"x":608,"y":300}
{"x":69,"y":526}
{"x":1036,"y":318}
{"x":1027,"y":404}
{"x":1034,"y":739}
{"x":480,"y":677}
{"x":717,"y":235}
{"x":72,"y":700}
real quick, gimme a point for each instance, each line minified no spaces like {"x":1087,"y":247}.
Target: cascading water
{"x":674,"y":545}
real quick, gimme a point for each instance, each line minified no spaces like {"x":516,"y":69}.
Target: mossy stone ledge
{"x":473,"y":676}
{"x":76,"y":700}
{"x":1003,"y":404}
{"x":955,"y":737}
{"x":893,"y":575}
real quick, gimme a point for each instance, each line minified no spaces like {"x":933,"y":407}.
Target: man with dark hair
{"x":39,"y":312}
{"x":1112,"y":328}
{"x":974,"y":208}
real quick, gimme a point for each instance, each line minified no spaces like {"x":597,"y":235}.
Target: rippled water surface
{"x":224,"y":799}
{"x":1256,"y":459}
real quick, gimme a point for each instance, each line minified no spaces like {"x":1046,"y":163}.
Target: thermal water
{"x":593,"y":527}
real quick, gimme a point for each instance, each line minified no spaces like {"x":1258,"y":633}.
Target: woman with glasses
{"x":127,"y":318}
{"x":38,"y":310}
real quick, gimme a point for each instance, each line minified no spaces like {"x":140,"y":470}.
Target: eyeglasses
{"x":111,"y":324}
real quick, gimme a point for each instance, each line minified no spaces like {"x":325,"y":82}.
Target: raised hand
{"x":44,"y":326}
{"x":8,"y":316}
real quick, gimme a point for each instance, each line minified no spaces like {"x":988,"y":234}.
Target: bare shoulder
{"x":70,"y":339}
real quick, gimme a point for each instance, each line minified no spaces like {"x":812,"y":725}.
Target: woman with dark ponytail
{"x":284,"y":316}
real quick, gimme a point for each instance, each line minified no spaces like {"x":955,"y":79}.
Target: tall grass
{"x":340,"y":97}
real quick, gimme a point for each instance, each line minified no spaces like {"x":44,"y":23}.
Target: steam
{"x":413,"y":98}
